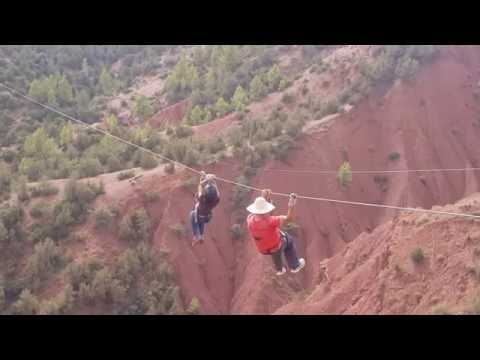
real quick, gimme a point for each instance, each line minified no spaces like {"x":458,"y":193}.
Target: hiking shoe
{"x":300,"y":267}
{"x":280,"y":273}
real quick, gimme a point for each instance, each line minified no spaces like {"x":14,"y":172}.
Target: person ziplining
{"x":264,"y":229}
{"x":206,"y":199}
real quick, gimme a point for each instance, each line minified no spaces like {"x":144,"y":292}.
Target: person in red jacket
{"x":264,"y":228}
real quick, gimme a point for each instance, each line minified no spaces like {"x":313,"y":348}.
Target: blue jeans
{"x":288,"y":249}
{"x":198,"y":223}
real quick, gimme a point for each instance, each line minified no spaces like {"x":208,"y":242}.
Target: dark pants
{"x":287,"y":249}
{"x":198,"y":223}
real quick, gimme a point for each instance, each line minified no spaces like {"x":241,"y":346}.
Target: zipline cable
{"x":106,"y":133}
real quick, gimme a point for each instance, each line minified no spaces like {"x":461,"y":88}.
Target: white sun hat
{"x":260,"y":206}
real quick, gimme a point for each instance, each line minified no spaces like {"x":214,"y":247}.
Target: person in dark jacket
{"x":207,"y":197}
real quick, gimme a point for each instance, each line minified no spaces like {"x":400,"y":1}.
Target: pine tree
{"x":52,"y":99}
{"x":112,"y":122}
{"x":230,"y":57}
{"x":207,"y":116}
{"x":66,"y":134}
{"x":222,"y":107}
{"x":27,"y":304}
{"x":85,"y":69}
{"x":142,"y":107}
{"x":40,"y":146}
{"x":257,"y":88}
{"x":210,"y":83}
{"x":239,"y":99}
{"x":196,"y":115}
{"x":65,"y":91}
{"x":38,"y":91}
{"x":345,"y":175}
{"x":106,"y":82}
{"x":3,"y":234}
{"x":274,"y":77}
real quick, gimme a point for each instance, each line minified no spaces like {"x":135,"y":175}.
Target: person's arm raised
{"x":291,"y":206}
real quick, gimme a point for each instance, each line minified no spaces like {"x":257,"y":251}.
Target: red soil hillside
{"x":170,"y":116}
{"x":431,"y":123}
{"x":376,"y":275}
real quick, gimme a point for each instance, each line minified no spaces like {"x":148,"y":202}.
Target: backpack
{"x":209,"y":199}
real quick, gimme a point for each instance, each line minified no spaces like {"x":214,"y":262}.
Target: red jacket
{"x":265,"y":232}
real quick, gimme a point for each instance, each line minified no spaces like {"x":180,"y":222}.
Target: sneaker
{"x":280,"y":273}
{"x":300,"y":267}
{"x":197,"y":241}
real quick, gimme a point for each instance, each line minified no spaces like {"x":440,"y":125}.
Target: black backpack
{"x":209,"y":199}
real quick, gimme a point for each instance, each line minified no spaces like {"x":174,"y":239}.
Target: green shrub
{"x":407,"y":68}
{"x":292,"y":128}
{"x":23,"y":195}
{"x":82,"y":273}
{"x":236,"y":231}
{"x":8,"y":155}
{"x":215,"y":145}
{"x":152,"y":196}
{"x":27,"y":304}
{"x":345,"y":96}
{"x":126,"y":175}
{"x":74,"y":207}
{"x":191,"y":157}
{"x":178,"y":229}
{"x":147,"y":161}
{"x":135,"y":226}
{"x":64,"y":218}
{"x":3,"y":234}
{"x":169,"y":168}
{"x":282,"y":145}
{"x":11,"y":219}
{"x":89,"y":167}
{"x":106,"y":288}
{"x":46,"y":259}
{"x":393,"y":156}
{"x":114,"y":164}
{"x":441,"y":310}
{"x":183,"y":131}
{"x":128,"y":267}
{"x":43,"y":189}
{"x":97,"y":188}
{"x":60,"y":305}
{"x":38,"y":232}
{"x":240,"y":195}
{"x":330,"y":108}
{"x":476,"y":305}
{"x":194,"y":307}
{"x":345,"y":175}
{"x":417,"y":255}
{"x":40,"y":210}
{"x":304,"y":90}
{"x":288,"y":98}
{"x":103,"y":219}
